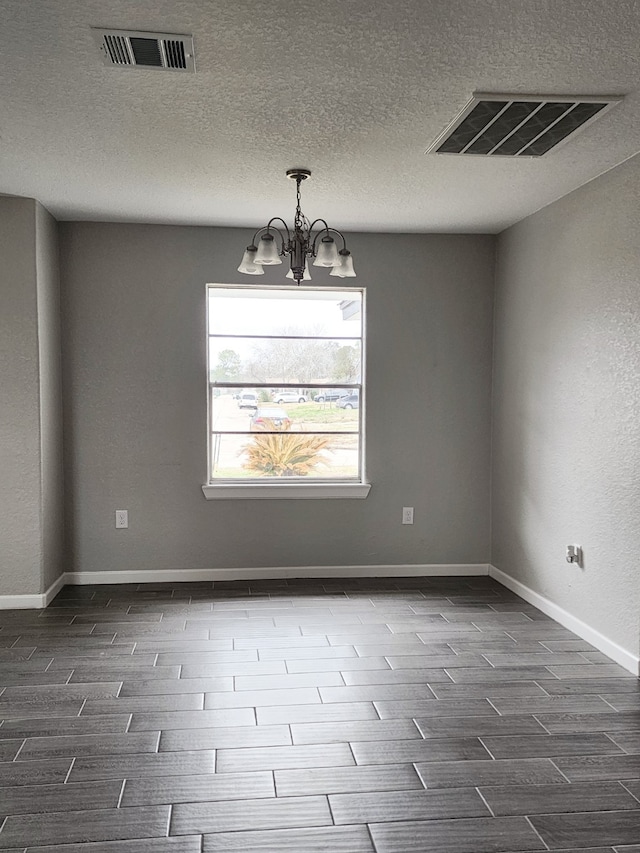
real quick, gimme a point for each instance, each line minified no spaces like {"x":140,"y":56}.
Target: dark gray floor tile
{"x":478,"y":726}
{"x":450,"y":661}
{"x":352,"y":731}
{"x":90,"y":825}
{"x":462,"y":774}
{"x":191,"y":658}
{"x":373,"y":692}
{"x":611,"y":670}
{"x":548,"y":746}
{"x":476,"y":675}
{"x":9,"y":750}
{"x":468,"y":835}
{"x":395,"y":676}
{"x":553,"y":799}
{"x":591,"y":768}
{"x":633,"y":787}
{"x":276,"y":813}
{"x":337,"y":780}
{"x":281,"y":642}
{"x":488,"y":691}
{"x":90,"y":673}
{"x":435,"y":708}
{"x":329,"y":713}
{"x":383,"y":806}
{"x":622,"y":701}
{"x":552,"y":705}
{"x":140,"y":704}
{"x":102,"y":664}
{"x":83,"y":745}
{"x":14,"y":710}
{"x":628,"y":741}
{"x":58,"y":726}
{"x":588,"y":828}
{"x":184,"y":844}
{"x":593,"y":685}
{"x":147,"y":764}
{"x":32,"y":773}
{"x":232,"y":737}
{"x":165,"y":687}
{"x":263,"y":698}
{"x":61,"y":692}
{"x":573,"y":645}
{"x":160,"y":644}
{"x":348,"y":839}
{"x":540,"y":658}
{"x":26,"y":679}
{"x":287,"y":682}
{"x":302,"y":653}
{"x":269,"y":667}
{"x":192,"y":719}
{"x":35,"y":799}
{"x":611,"y":722}
{"x":432,"y":749}
{"x":284,"y":757}
{"x":196,"y":789}
{"x":336,"y":664}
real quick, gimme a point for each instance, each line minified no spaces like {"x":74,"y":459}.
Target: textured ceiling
{"x":356,"y":91}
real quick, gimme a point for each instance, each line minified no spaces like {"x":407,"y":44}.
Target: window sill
{"x":288,"y":491}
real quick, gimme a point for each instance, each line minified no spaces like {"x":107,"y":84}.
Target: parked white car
{"x":289,"y":397}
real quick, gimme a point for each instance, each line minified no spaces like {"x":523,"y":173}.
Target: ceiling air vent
{"x":126,"y":49}
{"x":518,"y":125}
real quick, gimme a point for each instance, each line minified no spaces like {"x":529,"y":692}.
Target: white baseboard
{"x":185,"y":575}
{"x":607,"y":646}
{"x":36,"y":601}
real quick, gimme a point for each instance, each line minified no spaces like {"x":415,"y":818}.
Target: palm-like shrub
{"x":286,"y":455}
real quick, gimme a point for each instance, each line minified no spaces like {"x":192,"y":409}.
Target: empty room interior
{"x":320,"y":426}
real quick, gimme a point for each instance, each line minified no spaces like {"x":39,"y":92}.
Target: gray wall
{"x":566,"y":423}
{"x":50,"y":388}
{"x":31,"y":499}
{"x":135,"y":406}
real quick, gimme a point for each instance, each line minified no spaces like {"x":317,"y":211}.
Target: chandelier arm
{"x":268,"y":228}
{"x":326,"y":230}
{"x":286,"y":227}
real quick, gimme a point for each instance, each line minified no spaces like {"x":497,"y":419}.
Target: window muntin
{"x":287,"y":344}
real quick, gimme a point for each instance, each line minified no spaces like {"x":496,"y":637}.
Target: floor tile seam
{"x":622,"y":783}
{"x":546,"y":846}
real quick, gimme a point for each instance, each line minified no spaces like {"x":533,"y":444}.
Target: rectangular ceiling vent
{"x":518,"y":125}
{"x":129,"y":49}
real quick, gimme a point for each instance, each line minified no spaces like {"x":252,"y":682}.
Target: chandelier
{"x":306,"y":240}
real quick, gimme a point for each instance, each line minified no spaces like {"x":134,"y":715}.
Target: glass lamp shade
{"x":327,"y":253}
{"x":248,"y":265}
{"x":345,"y":267}
{"x":267,"y":253}
{"x":306,"y":276}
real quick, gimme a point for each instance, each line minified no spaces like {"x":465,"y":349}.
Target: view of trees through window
{"x":285,"y":382}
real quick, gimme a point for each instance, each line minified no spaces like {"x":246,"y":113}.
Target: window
{"x":286,"y":392}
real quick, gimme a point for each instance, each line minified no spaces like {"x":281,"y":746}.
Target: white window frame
{"x":219,"y":489}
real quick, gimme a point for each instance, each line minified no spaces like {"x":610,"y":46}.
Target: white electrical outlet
{"x":122,"y":518}
{"x":407,"y":515}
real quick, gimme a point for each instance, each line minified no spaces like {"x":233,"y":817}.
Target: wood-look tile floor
{"x":437,"y":715}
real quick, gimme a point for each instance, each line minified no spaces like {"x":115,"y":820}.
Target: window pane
{"x":277,"y":311}
{"x":285,"y":455}
{"x":242,"y":410}
{"x":277,"y":361}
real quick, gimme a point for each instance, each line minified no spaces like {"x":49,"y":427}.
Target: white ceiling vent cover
{"x":519,"y":125}
{"x":131,"y":49}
